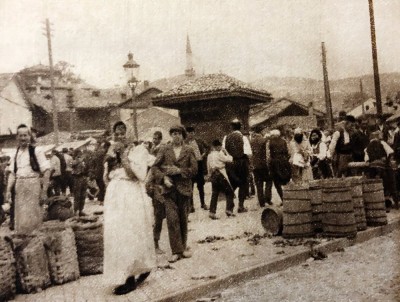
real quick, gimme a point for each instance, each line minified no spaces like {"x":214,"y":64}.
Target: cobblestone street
{"x":227,"y":251}
{"x":365,"y":272}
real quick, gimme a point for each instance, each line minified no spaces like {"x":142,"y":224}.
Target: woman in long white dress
{"x":129,"y":252}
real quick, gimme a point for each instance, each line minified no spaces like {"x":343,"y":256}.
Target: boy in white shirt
{"x":216,"y":161}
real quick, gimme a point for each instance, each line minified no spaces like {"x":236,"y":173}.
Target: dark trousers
{"x":55,"y":187}
{"x":199,"y":180}
{"x":220,"y":184}
{"x":102,"y":188}
{"x":264,"y":185}
{"x":238,"y":172}
{"x":176,"y":210}
{"x":268,"y":189}
{"x":342,"y":162}
{"x":159,"y":215}
{"x":79,"y":192}
{"x":67,"y":182}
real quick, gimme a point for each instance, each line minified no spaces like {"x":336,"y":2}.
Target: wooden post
{"x":53,"y":99}
{"x":328,"y":102}
{"x":375,"y":60}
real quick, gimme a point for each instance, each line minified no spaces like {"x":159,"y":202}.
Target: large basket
{"x":7,"y":270}
{"x":32,"y":263}
{"x":61,"y":252}
{"x":89,"y":243}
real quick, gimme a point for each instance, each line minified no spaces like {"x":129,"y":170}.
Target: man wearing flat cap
{"x":177,"y":165}
{"x":341,"y":146}
{"x":238,"y":146}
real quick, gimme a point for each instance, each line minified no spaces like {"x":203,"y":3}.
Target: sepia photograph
{"x":199,"y":150}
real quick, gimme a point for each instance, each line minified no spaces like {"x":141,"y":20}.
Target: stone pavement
{"x":225,"y":252}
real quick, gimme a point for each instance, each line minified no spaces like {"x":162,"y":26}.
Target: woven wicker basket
{"x":89,"y":243}
{"x":61,"y":252}
{"x":32,"y":263}
{"x":7,"y":270}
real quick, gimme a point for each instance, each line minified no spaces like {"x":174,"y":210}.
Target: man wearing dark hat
{"x":341,"y":146}
{"x":238,"y":146}
{"x":200,"y":149}
{"x":177,"y":164}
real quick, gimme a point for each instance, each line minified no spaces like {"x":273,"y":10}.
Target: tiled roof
{"x":83,"y":98}
{"x":5,"y":78}
{"x":209,"y":84}
{"x":261,"y":113}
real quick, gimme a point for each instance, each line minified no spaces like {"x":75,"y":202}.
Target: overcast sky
{"x":247,"y":39}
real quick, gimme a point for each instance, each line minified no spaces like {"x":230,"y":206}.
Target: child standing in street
{"x":216,"y":161}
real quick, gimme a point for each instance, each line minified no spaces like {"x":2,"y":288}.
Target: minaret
{"x":189,"y":71}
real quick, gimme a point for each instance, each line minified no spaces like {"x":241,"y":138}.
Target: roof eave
{"x":254,"y":96}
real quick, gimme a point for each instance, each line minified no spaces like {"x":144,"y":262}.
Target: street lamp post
{"x":132,"y":73}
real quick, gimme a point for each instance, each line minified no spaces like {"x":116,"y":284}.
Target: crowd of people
{"x":143,"y":183}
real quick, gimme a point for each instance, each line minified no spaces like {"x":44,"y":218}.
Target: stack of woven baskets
{"x":89,"y":243}
{"x":7,"y":270}
{"x":32,"y":263}
{"x":61,"y":251}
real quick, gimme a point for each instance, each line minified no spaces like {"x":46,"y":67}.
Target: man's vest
{"x":234,"y":145}
{"x":375,"y":150}
{"x":341,"y":147}
{"x":32,"y":160}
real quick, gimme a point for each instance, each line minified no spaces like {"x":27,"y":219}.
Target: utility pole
{"x":328,"y":102}
{"x":375,"y":60}
{"x":53,"y":99}
{"x":362,"y":98}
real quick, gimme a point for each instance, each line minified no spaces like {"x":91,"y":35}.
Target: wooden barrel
{"x":374,"y":202}
{"x":316,"y":204}
{"x":338,"y":219}
{"x":297,"y":212}
{"x":358,"y":202}
{"x":271,"y":220}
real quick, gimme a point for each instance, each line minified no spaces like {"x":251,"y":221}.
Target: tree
{"x":67,"y":73}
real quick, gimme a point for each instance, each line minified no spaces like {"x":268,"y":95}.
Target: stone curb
{"x":263,"y":269}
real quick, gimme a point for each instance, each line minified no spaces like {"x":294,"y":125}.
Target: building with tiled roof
{"x":14,"y":106}
{"x":80,"y":106}
{"x":283,"y":112}
{"x":210,"y":102}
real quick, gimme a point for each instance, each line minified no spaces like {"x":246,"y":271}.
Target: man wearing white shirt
{"x":26,"y":167}
{"x":341,"y":146}
{"x":238,"y":146}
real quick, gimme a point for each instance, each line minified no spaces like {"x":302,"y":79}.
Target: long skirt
{"x":128,"y":231}
{"x":28,"y":214}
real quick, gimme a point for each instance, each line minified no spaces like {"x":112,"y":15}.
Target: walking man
{"x":200,"y":149}
{"x":216,"y":161}
{"x":177,"y":162}
{"x":25,"y":170}
{"x":238,"y":146}
{"x":157,"y":198}
{"x":260,"y":164}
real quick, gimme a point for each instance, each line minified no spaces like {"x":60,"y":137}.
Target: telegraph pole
{"x":375,"y":60}
{"x":53,"y":99}
{"x":328,"y":102}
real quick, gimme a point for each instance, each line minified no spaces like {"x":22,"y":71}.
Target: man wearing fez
{"x":25,"y":169}
{"x":341,"y":146}
{"x":200,"y":149}
{"x":238,"y":146}
{"x":177,"y":164}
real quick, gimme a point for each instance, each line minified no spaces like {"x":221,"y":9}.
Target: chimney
{"x":310,"y":109}
{"x":146,"y":84}
{"x":39,"y":85}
